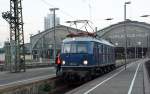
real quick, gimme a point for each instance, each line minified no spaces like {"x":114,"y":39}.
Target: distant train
{"x":86,"y":56}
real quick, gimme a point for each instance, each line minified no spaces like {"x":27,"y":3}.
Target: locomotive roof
{"x":87,"y":39}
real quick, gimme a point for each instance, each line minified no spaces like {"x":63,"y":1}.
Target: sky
{"x":96,"y":11}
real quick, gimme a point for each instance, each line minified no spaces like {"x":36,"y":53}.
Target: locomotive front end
{"x":76,"y":57}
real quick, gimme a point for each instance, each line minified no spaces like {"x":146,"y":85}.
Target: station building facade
{"x":42,"y":44}
{"x":138,"y":39}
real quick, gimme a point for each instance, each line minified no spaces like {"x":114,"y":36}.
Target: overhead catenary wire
{"x":74,"y":18}
{"x":64,"y":12}
{"x":67,"y":14}
{"x":90,"y":10}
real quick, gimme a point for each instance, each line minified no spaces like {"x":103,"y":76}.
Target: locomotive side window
{"x":104,"y":54}
{"x":100,"y":48}
{"x":96,"y":51}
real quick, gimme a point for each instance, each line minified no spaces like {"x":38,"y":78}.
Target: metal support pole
{"x":135,"y":47}
{"x":147,"y":47}
{"x":31,"y":53}
{"x":135,"y":51}
{"x":125,"y":32}
{"x":53,"y":10}
{"x":142,"y":52}
{"x":15,"y":19}
{"x":125,"y":51}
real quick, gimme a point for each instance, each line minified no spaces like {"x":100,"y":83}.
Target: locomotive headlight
{"x":85,"y":62}
{"x":63,"y":62}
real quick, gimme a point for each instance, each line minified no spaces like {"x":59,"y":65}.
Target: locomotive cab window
{"x":66,"y":48}
{"x":81,"y":48}
{"x":76,"y":47}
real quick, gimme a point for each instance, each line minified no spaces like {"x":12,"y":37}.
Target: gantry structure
{"x":15,"y":19}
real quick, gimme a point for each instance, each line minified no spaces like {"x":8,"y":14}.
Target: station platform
{"x":119,"y":81}
{"x":7,"y":78}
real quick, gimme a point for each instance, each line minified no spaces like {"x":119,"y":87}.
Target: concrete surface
{"x":8,"y":78}
{"x":119,"y":81}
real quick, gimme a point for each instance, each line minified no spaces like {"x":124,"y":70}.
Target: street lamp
{"x":125,"y":4}
{"x":31,"y":47}
{"x":116,"y":45}
{"x":49,"y":51}
{"x":135,"y":48}
{"x":148,"y":44}
{"x":139,"y":43}
{"x":109,"y":19}
{"x":144,"y":16}
{"x":53,"y":10}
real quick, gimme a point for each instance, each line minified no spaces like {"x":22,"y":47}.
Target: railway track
{"x":49,"y":84}
{"x":71,"y":85}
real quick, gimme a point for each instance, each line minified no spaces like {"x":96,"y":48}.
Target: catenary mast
{"x":15,"y":20}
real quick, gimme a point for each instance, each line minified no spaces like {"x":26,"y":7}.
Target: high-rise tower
{"x":49,"y":21}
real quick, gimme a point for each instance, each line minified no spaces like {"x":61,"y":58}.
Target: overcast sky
{"x":94,"y":10}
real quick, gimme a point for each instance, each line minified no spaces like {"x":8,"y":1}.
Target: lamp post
{"x":135,"y":52}
{"x":139,"y":43}
{"x":109,"y":19}
{"x":31,"y":53}
{"x":49,"y":51}
{"x":148,"y":45}
{"x":135,"y":47}
{"x":142,"y":51}
{"x":144,"y":16}
{"x":53,"y":10}
{"x":116,"y":45}
{"x":125,"y":52}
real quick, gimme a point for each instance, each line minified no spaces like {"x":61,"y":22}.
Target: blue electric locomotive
{"x":84,"y":56}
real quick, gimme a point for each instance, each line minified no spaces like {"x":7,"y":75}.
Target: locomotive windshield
{"x":75,"y":47}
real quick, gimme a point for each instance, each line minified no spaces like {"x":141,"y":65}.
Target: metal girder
{"x":15,"y":20}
